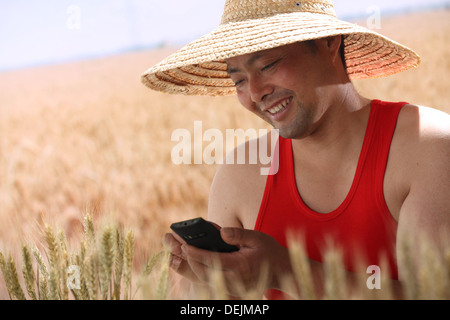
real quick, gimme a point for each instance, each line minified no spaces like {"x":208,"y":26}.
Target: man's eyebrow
{"x":248,"y":63}
{"x":231,"y":70}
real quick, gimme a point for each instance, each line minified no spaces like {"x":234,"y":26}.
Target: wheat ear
{"x":9,"y":271}
{"x":89,"y":231}
{"x":128,"y":263}
{"x":42,"y":275}
{"x":40,"y":261}
{"x":15,"y":287}
{"x":54,"y":264}
{"x":52,"y":246}
{"x":53,"y":284}
{"x":4,"y":269}
{"x":28,"y":273}
{"x":106,"y":261}
{"x":42,"y":286}
{"x":64,"y":264}
{"x":154,"y":261}
{"x":118,"y":264}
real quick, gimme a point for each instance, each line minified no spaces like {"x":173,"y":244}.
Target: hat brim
{"x":199,"y":68}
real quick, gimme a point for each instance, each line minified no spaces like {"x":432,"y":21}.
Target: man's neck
{"x":339,"y":134}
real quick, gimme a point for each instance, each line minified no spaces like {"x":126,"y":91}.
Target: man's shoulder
{"x":424,"y":133}
{"x":425,"y":121}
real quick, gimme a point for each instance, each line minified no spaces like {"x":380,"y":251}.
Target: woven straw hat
{"x":249,"y":26}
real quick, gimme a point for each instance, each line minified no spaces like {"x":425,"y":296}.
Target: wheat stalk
{"x":91,"y":275}
{"x":302,"y":269}
{"x":407,"y":267}
{"x":77,"y":260}
{"x":64,"y":261}
{"x":432,"y":274}
{"x":335,"y":279}
{"x":161,"y":293}
{"x":387,"y":284}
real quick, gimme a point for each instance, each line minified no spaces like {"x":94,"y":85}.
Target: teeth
{"x":280,"y":107}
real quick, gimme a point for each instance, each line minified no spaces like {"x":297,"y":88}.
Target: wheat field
{"x":88,"y":137}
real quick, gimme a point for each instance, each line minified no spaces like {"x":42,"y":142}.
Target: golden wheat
{"x":28,"y":273}
{"x":88,"y":137}
{"x":99,"y":268}
{"x":11,"y":278}
{"x":100,"y":273}
{"x":301,"y":269}
{"x":118,"y":263}
{"x":128,"y":262}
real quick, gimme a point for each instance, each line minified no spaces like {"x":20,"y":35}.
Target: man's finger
{"x":198,"y":269}
{"x":240,"y":237}
{"x":182,"y":267}
{"x":204,"y":257}
{"x":173,"y":244}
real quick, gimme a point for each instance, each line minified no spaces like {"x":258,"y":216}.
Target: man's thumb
{"x":238,"y":236}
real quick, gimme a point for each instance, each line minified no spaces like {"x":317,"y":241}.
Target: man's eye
{"x":267,"y":67}
{"x":237,"y":83}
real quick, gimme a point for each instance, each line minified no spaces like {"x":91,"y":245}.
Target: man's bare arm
{"x":425,"y":213}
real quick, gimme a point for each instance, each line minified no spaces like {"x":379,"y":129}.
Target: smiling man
{"x":356,"y":171}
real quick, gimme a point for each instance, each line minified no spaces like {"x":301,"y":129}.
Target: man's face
{"x":285,"y":86}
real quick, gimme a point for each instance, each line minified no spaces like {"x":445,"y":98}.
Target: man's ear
{"x":333,"y":46}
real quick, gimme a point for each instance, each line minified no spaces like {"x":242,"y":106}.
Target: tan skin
{"x":326,"y":120}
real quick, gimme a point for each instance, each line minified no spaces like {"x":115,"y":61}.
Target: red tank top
{"x":362,"y":226}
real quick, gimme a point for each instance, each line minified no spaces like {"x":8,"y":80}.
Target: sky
{"x":53,"y":31}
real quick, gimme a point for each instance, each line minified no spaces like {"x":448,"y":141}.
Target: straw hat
{"x":249,"y":26}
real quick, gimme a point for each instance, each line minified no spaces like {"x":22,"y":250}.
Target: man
{"x":356,"y":171}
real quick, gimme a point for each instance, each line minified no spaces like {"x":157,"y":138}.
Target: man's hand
{"x":256,"y":251}
{"x":178,"y":260}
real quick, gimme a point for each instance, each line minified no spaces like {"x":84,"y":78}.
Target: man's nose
{"x":259,"y":89}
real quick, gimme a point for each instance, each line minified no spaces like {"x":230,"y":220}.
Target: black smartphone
{"x":202,"y":234}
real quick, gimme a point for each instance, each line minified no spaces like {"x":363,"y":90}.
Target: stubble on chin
{"x":297,"y":128}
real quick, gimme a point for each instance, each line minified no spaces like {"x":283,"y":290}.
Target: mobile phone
{"x":202,"y":234}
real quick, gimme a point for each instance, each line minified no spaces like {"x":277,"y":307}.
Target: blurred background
{"x":79,"y":132}
{"x":49,"y":31}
